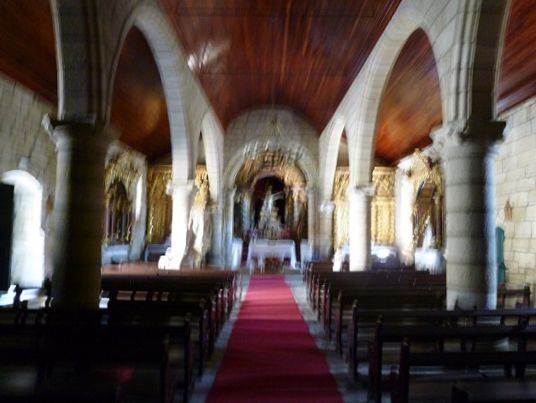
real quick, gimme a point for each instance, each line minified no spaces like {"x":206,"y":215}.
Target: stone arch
{"x":213,"y":142}
{"x":330,"y":142}
{"x":374,"y":77}
{"x":306,"y":165}
{"x":168,"y":55}
{"x":489,"y":39}
{"x":28,"y":242}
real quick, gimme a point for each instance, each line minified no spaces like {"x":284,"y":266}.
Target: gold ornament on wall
{"x":383,"y":206}
{"x":340,"y":212}
{"x":159,"y":203}
{"x":120,"y":178}
{"x":428,"y":209}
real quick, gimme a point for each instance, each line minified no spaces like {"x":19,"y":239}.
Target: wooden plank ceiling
{"x":517,"y":76}
{"x":301,"y":54}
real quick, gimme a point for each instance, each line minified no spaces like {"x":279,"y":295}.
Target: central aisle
{"x":271,"y":356}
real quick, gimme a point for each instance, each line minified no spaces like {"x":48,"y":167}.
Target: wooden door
{"x":6,"y":233}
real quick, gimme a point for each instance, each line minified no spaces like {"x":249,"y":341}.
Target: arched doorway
{"x":28,"y":241}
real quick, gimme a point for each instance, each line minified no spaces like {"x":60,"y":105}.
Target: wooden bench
{"x":400,"y":392}
{"x":520,"y":391}
{"x":169,"y":311}
{"x":364,"y":321}
{"x":435,"y":336}
{"x":92,"y":342}
{"x":175,"y":289}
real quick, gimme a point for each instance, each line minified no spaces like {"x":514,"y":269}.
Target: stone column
{"x":469,"y":160}
{"x":246,"y":212}
{"x":359,"y":226}
{"x":229,"y":216}
{"x":325,"y":231}
{"x":216,"y":253}
{"x":78,"y":214}
{"x":182,"y":200}
{"x":311,"y":222}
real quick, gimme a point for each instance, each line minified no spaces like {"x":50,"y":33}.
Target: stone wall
{"x":24,"y":144}
{"x":516,"y":193}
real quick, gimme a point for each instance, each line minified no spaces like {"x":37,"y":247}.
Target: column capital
{"x":486,"y":133}
{"x":327,"y":206}
{"x":367,"y":190}
{"x":82,"y":132}
{"x":177,"y":188}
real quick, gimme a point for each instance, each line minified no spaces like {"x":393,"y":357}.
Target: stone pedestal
{"x":359,"y":228}
{"x":469,"y":156}
{"x":77,"y":220}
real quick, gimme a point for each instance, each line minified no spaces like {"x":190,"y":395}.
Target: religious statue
{"x":269,"y":222}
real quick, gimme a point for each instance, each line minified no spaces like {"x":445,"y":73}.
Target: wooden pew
{"x":177,"y":289}
{"x":435,"y":336}
{"x":92,"y":342}
{"x":400,"y":392}
{"x":381,"y":298}
{"x":169,"y":312}
{"x":512,"y":391}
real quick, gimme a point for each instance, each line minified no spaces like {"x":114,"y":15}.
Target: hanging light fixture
{"x":270,"y":148}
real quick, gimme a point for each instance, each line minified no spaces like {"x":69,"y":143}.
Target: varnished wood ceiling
{"x":296,"y":53}
{"x":27,"y":50}
{"x":138,"y":103}
{"x":517,"y":77}
{"x":411,"y":103}
{"x":246,"y":53}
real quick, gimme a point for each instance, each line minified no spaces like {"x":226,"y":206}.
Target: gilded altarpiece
{"x":159,"y":203}
{"x":383,"y":206}
{"x":121,"y":176}
{"x":428,"y":211}
{"x":340,"y":212}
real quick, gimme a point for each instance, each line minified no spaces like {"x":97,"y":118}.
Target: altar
{"x":281,"y":249}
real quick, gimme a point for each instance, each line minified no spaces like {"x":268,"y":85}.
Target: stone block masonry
{"x":516,"y":188}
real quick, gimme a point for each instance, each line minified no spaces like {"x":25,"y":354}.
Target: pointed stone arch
{"x":168,"y":55}
{"x":362,"y":125}
{"x":213,"y":143}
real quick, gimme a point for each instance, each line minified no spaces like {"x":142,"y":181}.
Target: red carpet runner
{"x":271,"y":356}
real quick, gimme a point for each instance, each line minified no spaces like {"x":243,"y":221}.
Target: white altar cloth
{"x":262,"y":248}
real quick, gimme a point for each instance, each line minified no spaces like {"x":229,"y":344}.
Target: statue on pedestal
{"x":270,"y":225}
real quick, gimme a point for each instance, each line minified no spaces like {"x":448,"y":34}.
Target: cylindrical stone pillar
{"x":470,"y":222}
{"x":182,"y":197}
{"x":78,"y":215}
{"x":229,"y":216}
{"x":311,"y":222}
{"x":325,"y":231}
{"x":215,"y":256}
{"x":359,"y":227}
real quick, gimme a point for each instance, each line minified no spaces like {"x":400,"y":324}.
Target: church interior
{"x":267,"y":200}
